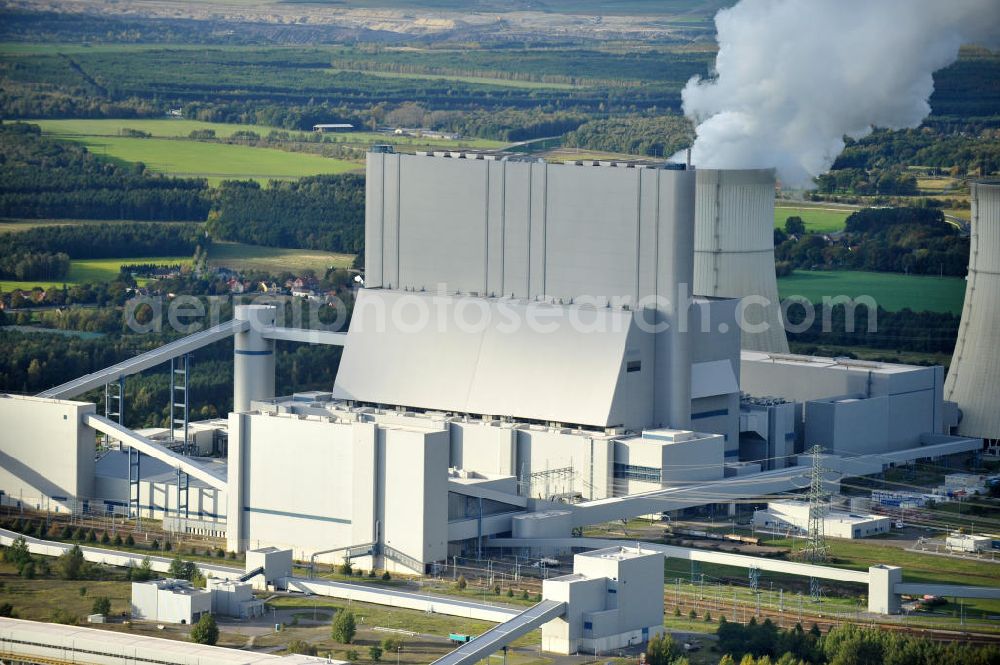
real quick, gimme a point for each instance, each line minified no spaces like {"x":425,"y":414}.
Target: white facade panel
{"x":45,"y":450}
{"x":415,"y":493}
{"x":481,"y":447}
{"x":434,"y":249}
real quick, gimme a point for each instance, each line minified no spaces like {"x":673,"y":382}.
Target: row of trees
{"x":101,"y":241}
{"x":759,"y":643}
{"x":904,"y":330}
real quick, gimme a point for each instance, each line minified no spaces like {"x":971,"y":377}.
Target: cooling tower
{"x":734,"y":249}
{"x":974,"y":377}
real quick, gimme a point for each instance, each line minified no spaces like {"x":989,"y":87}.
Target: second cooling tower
{"x":734,"y":250}
{"x":974,"y":376}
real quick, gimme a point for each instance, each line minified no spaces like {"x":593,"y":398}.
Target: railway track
{"x":791,"y":616}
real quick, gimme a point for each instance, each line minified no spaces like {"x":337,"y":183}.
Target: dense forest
{"x":43,"y":178}
{"x":320,"y":212}
{"x":884,"y":149}
{"x":655,"y":136}
{"x":908,"y":240}
{"x":891,"y":181}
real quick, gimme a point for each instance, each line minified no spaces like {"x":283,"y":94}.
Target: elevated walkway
{"x":496,"y":638}
{"x":378,"y":595}
{"x":390,"y":597}
{"x":250,"y":574}
{"x":181,"y":346}
{"x":948,"y":590}
{"x":155,"y":450}
{"x":144,"y":361}
{"x":693,"y":554}
{"x":475,"y":490}
{"x":303,"y":335}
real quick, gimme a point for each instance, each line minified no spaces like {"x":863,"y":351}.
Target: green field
{"x":229,"y":254}
{"x":477,"y":80}
{"x":892,"y":291}
{"x":239,"y":256}
{"x":214,"y":161}
{"x":162,"y":128}
{"x":94,"y":271}
{"x":181,"y":128}
{"x":817,"y":220}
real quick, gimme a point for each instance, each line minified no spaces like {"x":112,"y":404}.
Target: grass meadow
{"x":94,"y":271}
{"x":234,"y":255}
{"x":213,"y":161}
{"x":817,"y":220}
{"x":239,"y":256}
{"x":892,"y":291}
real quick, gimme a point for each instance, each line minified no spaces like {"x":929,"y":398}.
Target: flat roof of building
{"x":182,"y":587}
{"x":820,"y":362}
{"x":343,"y":412}
{"x":617,"y":553}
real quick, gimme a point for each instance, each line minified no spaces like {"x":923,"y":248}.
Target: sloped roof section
{"x":495,"y":356}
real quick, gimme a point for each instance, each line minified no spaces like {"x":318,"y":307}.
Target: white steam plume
{"x":795,"y":76}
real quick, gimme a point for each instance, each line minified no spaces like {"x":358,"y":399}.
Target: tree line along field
{"x":892,"y":291}
{"x":93,"y":271}
{"x":234,"y":255}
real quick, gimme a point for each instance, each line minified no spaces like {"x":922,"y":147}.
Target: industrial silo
{"x":734,"y":249}
{"x":974,"y":377}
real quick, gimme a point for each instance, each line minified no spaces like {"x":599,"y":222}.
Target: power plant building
{"x":527,"y":357}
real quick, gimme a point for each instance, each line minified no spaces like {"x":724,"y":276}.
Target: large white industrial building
{"x":530,"y":354}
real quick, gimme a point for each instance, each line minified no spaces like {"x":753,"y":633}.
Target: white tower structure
{"x":974,"y":376}
{"x":734,"y":250}
{"x":253,"y":360}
